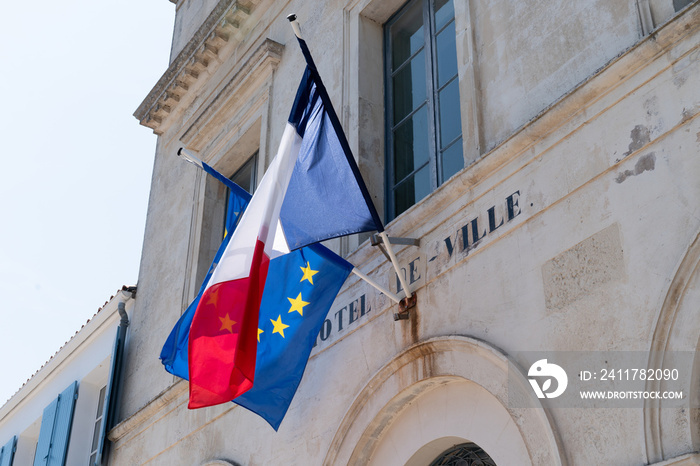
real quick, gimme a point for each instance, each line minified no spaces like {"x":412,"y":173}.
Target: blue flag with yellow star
{"x":304,"y":284}
{"x":299,"y":291}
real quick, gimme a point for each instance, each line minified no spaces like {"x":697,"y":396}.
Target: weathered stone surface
{"x":570,"y":229}
{"x":591,"y":264}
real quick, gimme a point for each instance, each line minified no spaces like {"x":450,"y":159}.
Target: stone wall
{"x":567,"y":231}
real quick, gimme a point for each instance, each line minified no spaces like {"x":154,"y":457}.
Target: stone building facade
{"x":545,"y":155}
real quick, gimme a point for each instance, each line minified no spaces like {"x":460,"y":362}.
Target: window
{"x":424,"y":129}
{"x":217,"y":210}
{"x":246,"y":178}
{"x":678,"y":5}
{"x":98,"y":426}
{"x":466,"y":454}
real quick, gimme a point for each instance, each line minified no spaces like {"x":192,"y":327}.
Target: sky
{"x":75,"y":165}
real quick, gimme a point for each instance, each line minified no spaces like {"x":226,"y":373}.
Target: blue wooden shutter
{"x":64,"y":421}
{"x":109,"y":408}
{"x":41,"y":457}
{"x":7,"y":452}
{"x":55,"y":429}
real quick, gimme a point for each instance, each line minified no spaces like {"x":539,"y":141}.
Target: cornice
{"x":258,"y":65}
{"x":200,"y":53}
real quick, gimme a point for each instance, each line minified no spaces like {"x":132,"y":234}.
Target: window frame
{"x":435,"y":161}
{"x":251,"y":162}
{"x":97,"y":425}
{"x":678,"y":5}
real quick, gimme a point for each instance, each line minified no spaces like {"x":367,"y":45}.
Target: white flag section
{"x":222,"y":366}
{"x":260,"y":221}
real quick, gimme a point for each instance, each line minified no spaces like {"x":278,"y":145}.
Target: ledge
{"x":144,"y":414}
{"x":218,"y":29}
{"x":683,"y":460}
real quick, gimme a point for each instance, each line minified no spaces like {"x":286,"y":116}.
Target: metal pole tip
{"x":292,"y":17}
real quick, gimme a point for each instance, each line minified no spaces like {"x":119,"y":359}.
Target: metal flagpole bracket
{"x":404,"y":306}
{"x":376,"y":240}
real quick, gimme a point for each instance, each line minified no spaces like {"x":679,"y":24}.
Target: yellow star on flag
{"x":308,"y":273}
{"x":279,"y":326}
{"x":297,"y":305}
{"x":259,"y":332}
{"x":227,"y":323}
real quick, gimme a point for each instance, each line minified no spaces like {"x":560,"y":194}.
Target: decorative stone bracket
{"x":201,"y":52}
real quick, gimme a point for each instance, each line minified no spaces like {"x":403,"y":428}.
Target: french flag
{"x":312,"y":191}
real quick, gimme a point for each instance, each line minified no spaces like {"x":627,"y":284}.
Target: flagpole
{"x":379,"y":287}
{"x":295,"y":25}
{"x":395,"y":263}
{"x":185,"y":154}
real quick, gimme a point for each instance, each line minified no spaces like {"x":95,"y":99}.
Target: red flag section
{"x":223,"y":336}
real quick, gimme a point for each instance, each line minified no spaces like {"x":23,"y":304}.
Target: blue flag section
{"x":291,"y":314}
{"x":238,"y":199}
{"x":237,"y":192}
{"x":174,"y":353}
{"x":327,"y":196}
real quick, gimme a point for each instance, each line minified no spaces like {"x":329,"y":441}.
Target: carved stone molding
{"x":248,"y":77}
{"x":130,"y":424}
{"x":427,"y":365}
{"x":690,"y":459}
{"x":219,"y":463}
{"x":672,"y":324}
{"x":200,"y":53}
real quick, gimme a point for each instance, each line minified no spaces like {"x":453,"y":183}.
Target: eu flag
{"x":304,"y":284}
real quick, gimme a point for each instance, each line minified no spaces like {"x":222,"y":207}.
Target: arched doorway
{"x":440,"y":393}
{"x":673,"y":431}
{"x":465,"y":454}
{"x":453,"y":412}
